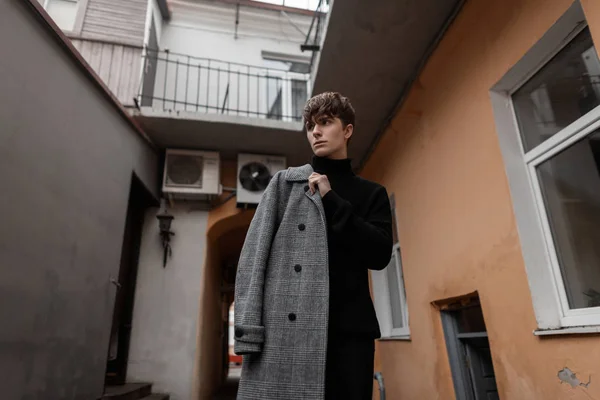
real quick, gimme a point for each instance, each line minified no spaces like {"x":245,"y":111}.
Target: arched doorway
{"x":225,"y":237}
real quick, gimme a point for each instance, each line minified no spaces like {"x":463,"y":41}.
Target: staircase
{"x":132,"y":391}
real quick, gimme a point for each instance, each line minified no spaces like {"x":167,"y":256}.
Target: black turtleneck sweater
{"x":359,"y":228}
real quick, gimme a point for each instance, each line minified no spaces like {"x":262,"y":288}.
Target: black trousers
{"x":349,"y":368}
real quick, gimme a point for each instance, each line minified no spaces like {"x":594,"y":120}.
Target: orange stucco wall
{"x":441,"y":158}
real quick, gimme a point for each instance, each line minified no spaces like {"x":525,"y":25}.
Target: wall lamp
{"x":164,"y":225}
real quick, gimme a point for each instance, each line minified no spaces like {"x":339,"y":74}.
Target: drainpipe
{"x":379,"y":378}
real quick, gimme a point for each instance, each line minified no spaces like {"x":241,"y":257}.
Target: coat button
{"x":302,"y":227}
{"x":306,"y":188}
{"x":298,"y":268}
{"x":292,"y":317}
{"x":239,"y":332}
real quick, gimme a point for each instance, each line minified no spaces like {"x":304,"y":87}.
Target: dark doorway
{"x":139,"y":200}
{"x":469,"y":353}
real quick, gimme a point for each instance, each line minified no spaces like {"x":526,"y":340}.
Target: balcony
{"x":193,"y":102}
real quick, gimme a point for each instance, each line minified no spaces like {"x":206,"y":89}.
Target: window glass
{"x":564,"y":90}
{"x":395,"y":296}
{"x":570,"y":183}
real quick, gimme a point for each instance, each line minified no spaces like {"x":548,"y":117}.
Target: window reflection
{"x":570,"y":183}
{"x":564,"y":90}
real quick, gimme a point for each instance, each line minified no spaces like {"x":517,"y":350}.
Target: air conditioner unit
{"x":254,"y":174}
{"x":191,"y":174}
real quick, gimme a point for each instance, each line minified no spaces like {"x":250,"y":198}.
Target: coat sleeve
{"x":371,"y":237}
{"x":249,"y":330}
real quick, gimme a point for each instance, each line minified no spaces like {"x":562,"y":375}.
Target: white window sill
{"x":579,"y":330}
{"x":405,"y":338}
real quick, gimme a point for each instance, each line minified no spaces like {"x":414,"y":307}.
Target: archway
{"x":226,"y":232}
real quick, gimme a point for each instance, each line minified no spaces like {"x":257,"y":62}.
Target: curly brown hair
{"x":328,"y":104}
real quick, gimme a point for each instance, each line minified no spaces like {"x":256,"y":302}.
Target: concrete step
{"x":128,"y":391}
{"x":156,"y":396}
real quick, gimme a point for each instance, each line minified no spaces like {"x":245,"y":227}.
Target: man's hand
{"x":320,"y":182}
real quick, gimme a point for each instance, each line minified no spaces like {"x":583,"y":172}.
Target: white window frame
{"x":286,"y":92}
{"x":79,"y":15}
{"x":553,"y":314}
{"x":382,"y":299}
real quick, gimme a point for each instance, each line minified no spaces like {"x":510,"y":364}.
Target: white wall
{"x":166,"y":311}
{"x":157,"y":16}
{"x":201,"y":31}
{"x":207,"y":29}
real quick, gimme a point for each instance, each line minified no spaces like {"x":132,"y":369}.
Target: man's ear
{"x":348,"y":131}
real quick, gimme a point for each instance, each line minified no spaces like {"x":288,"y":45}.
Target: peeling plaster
{"x":567,"y":376}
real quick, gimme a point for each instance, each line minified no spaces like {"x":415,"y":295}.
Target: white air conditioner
{"x":254,"y":174}
{"x":191,"y":174}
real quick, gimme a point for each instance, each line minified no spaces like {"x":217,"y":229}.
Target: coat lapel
{"x":301,"y":174}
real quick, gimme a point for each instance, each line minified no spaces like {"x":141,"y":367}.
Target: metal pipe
{"x":379,"y":378}
{"x":237,"y":20}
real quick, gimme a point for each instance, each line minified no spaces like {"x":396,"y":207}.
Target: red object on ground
{"x":233,"y":358}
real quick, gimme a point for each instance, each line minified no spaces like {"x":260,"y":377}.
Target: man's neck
{"x":340,"y":155}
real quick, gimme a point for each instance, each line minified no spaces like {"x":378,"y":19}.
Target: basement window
{"x":469,"y":352}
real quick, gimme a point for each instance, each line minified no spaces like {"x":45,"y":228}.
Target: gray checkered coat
{"x":282,"y":294}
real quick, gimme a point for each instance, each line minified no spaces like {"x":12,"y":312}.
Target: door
{"x":139,"y":201}
{"x":481,"y":369}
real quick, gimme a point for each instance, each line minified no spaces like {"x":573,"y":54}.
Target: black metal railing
{"x":316,"y":32}
{"x":179,"y":82}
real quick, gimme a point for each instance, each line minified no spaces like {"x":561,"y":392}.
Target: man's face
{"x":328,"y":137}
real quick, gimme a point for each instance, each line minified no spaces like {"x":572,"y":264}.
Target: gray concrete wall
{"x":166,"y":312}
{"x":66,"y":160}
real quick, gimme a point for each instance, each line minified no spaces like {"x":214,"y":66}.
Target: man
{"x":304,"y":318}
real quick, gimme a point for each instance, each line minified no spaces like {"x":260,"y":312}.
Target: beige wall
{"x":441,"y":158}
{"x":166,"y":307}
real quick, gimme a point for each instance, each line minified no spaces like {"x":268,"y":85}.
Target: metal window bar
{"x":226,"y":99}
{"x":213,"y":97}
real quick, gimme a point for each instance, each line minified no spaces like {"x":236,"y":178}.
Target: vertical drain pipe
{"x":379,"y":378}
{"x":237,"y":20}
